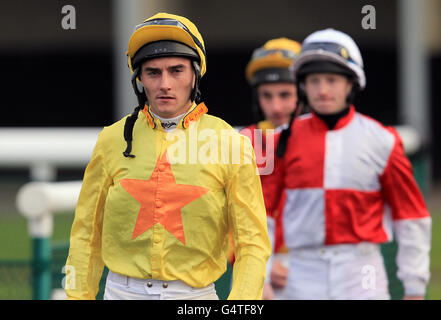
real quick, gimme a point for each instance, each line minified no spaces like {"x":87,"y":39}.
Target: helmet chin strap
{"x":130,"y":120}
{"x":351,"y":96}
{"x":286,"y":133}
{"x":140,"y":94}
{"x":256,"y":108}
{"x":195,"y":92}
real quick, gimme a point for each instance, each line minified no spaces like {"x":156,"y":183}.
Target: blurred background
{"x":72,"y":73}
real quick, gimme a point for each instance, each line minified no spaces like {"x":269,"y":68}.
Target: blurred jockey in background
{"x":274,"y":97}
{"x":348,"y":184}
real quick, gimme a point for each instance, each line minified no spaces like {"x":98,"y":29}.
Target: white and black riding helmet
{"x":330,"y":51}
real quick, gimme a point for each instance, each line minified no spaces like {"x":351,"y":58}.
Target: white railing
{"x":39,"y":201}
{"x":412,"y":141}
{"x":43,"y":150}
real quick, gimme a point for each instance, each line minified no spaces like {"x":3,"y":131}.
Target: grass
{"x":15,"y":242}
{"x":15,"y":254}
{"x":434,"y":289}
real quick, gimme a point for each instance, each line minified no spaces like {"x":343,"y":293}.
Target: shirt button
{"x":149,"y":284}
{"x":158,"y":204}
{"x":161,"y":167}
{"x":165,"y":285}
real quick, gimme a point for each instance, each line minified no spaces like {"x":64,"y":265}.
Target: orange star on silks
{"x":161,"y":199}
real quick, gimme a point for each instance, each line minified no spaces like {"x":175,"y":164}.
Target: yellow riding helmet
{"x":276,"y":55}
{"x":167,"y":27}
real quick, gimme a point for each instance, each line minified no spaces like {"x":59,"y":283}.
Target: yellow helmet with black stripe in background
{"x":271,"y":62}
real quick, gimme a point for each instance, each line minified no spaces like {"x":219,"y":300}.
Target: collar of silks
{"x":193,"y":114}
